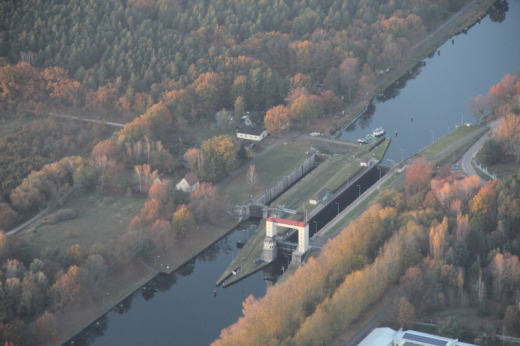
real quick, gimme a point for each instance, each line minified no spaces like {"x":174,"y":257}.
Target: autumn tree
{"x":367,"y":80}
{"x":477,"y":106}
{"x":278,"y":121}
{"x":183,"y":221}
{"x":406,"y":317}
{"x":45,"y":327}
{"x":240,"y":107}
{"x":507,"y":134}
{"x":495,"y":97}
{"x":483,"y":207}
{"x":205,"y":202}
{"x":330,"y":102}
{"x":68,"y":288}
{"x":220,"y":157}
{"x":303,"y":110}
{"x":348,"y":72}
{"x":438,"y":236}
{"x":301,"y":81}
{"x":418,"y":175}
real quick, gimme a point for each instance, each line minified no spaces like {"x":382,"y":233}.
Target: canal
{"x":181,"y":309}
{"x":435,"y":95}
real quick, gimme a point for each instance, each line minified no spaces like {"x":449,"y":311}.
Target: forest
{"x":446,"y":242}
{"x":163,"y":67}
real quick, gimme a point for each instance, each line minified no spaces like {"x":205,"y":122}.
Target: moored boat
{"x":378,"y":132}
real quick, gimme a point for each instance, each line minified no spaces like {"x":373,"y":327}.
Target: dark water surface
{"x":180,"y":309}
{"x":436,"y":94}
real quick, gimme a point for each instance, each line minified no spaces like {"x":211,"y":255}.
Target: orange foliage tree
{"x":278,"y":120}
{"x":418,"y":175}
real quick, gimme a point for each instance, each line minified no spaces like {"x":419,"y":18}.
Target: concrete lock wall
{"x":286,"y":181}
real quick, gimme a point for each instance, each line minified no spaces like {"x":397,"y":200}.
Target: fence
{"x":485,"y":171}
{"x":286,"y":181}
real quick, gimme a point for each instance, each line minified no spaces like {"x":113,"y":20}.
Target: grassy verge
{"x":480,"y":173}
{"x":112,"y":215}
{"x":447,"y":140}
{"x":454,"y":154}
{"x":269,"y":169}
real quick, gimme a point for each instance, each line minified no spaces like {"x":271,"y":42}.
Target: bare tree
{"x":101,"y":164}
{"x":139,"y":173}
{"x":251,"y":177}
{"x":477,"y":106}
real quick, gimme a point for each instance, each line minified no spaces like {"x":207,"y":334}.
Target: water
{"x":178,"y":309}
{"x":181,"y":309}
{"x":435,"y":95}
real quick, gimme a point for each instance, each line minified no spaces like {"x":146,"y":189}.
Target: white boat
{"x":378,"y":132}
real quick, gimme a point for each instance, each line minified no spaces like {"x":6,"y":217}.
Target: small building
{"x":252,"y":133}
{"x":364,"y":163}
{"x":320,"y":196}
{"x":390,"y":337}
{"x":189,"y":183}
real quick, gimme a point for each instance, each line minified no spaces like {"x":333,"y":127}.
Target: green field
{"x":97,"y":222}
{"x":270,"y":169}
{"x":447,"y":140}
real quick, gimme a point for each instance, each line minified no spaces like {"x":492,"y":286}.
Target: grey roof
{"x":321,"y":194}
{"x":251,"y":131}
{"x":424,"y":339}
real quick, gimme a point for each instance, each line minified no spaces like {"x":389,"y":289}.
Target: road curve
{"x":467,"y":157}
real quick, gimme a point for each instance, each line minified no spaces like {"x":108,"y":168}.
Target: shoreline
{"x":442,"y":35}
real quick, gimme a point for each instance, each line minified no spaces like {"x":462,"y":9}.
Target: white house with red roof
{"x":189,"y":183}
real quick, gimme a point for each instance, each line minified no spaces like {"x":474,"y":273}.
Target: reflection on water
{"x":181,"y":308}
{"x":179,"y":305}
{"x":497,"y":13}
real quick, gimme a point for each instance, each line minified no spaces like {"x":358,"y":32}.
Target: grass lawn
{"x":502,"y":169}
{"x":447,"y":140}
{"x":271,"y":168}
{"x":97,"y":222}
{"x":453,"y":155}
{"x":206,"y":131}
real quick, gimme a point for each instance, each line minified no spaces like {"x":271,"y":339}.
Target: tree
{"x":195,"y":158}
{"x":251,"y":177}
{"x":220,"y":157}
{"x":151,"y":211}
{"x":477,"y":106}
{"x":68,"y":288}
{"x":240,"y":107}
{"x":330,"y":101}
{"x":451,"y":328}
{"x":348,"y":72}
{"x":303,"y":109}
{"x":418,"y":175}
{"x":495,"y":97}
{"x":96,"y":268}
{"x":45,"y":327}
{"x":438,"y":240}
{"x":511,"y":319}
{"x":491,"y":152}
{"x":76,"y":254}
{"x":406,"y":317}
{"x":278,"y":121}
{"x":301,"y":81}
{"x":507,"y":134}
{"x":147,"y":249}
{"x":139,"y":173}
{"x":368,"y":78}
{"x":183,"y":222}
{"x":205,"y":202}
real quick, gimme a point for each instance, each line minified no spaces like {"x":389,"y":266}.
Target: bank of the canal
{"x":184,"y":314}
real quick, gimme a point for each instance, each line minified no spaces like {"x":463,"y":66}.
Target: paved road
{"x":465,"y":160}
